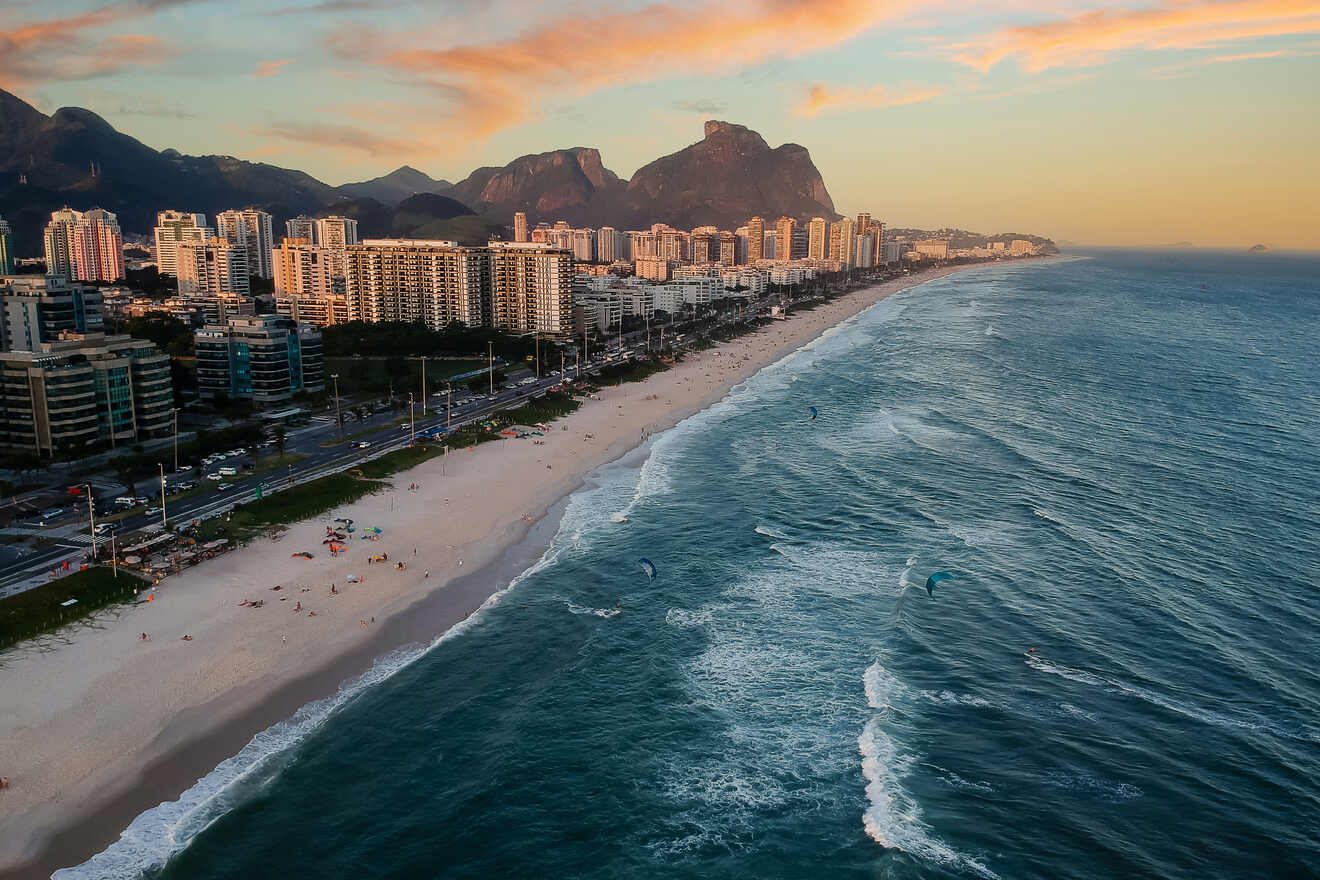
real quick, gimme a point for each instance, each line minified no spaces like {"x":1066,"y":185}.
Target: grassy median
{"x":41,"y":610}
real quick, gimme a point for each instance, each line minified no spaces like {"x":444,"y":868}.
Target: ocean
{"x":1117,"y":458}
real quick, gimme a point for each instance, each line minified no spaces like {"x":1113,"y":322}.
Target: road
{"x":72,"y":535}
{"x":72,"y":538}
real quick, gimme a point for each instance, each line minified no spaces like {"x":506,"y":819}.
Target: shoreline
{"x":116,"y":728}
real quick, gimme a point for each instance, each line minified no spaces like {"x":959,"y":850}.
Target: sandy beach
{"x":98,"y":729}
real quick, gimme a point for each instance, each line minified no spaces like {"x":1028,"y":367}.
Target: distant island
{"x":1257,"y":249}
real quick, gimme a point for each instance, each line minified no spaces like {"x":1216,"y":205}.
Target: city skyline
{"x":1097,"y":124}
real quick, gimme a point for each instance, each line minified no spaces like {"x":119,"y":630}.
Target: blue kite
{"x":935,"y":579}
{"x":649,"y":567}
{"x":814,"y":412}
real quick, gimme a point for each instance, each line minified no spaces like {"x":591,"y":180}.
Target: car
{"x":215,"y":476}
{"x":52,"y":512}
{"x":228,"y":472}
{"x":152,"y":511}
{"x":105,"y":528}
{"x":223,"y":486}
{"x":364,"y":444}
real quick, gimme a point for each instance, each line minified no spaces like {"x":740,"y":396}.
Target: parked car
{"x":228,"y":472}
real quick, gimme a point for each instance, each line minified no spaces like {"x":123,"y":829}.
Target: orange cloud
{"x":270,"y":68}
{"x":63,"y":48}
{"x":496,"y":85}
{"x":1090,"y":38}
{"x":821,"y":98}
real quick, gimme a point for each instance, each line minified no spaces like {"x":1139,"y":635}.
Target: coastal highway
{"x":72,"y":538}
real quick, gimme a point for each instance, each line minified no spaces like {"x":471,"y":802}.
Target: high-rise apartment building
{"x":84,"y":245}
{"x":816,"y":241}
{"x":307,"y":269}
{"x":431,"y":282}
{"x":583,"y":245}
{"x":755,"y":239}
{"x":82,"y":390}
{"x":607,"y":244}
{"x":173,"y":227}
{"x":6,"y":249}
{"x":335,"y":231}
{"x":264,"y":358}
{"x":784,"y":230}
{"x":520,"y":226}
{"x":842,"y":242}
{"x":770,"y":241}
{"x":303,"y":227}
{"x":704,"y":247}
{"x":214,"y":266}
{"x":38,"y":308}
{"x":863,"y":225}
{"x":309,"y":282}
{"x":728,"y":245}
{"x":668,"y":243}
{"x":531,"y":289}
{"x":251,"y":229}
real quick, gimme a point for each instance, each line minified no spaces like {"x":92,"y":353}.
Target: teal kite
{"x":935,"y":579}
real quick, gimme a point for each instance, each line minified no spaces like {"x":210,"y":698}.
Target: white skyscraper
{"x":251,"y":229}
{"x":173,"y":227}
{"x":212,"y":267}
{"x":337,"y":232}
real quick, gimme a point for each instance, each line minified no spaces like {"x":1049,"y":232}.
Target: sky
{"x":1145,"y":124}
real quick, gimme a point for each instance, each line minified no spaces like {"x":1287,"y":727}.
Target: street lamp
{"x":423,"y":386}
{"x":338,"y":418}
{"x":162,"y":493}
{"x":449,"y":405}
{"x":490,"y":354}
{"x":91,"y":516}
{"x":175,"y":413}
{"x":412,"y":423}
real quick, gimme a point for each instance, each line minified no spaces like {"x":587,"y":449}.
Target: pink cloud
{"x":821,"y":98}
{"x":495,"y":85}
{"x":270,"y":68}
{"x":1089,"y":38}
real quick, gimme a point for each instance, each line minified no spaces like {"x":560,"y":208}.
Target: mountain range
{"x":74,"y":157}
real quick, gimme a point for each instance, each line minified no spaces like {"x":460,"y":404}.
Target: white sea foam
{"x":1196,"y":713}
{"x":881,"y":687}
{"x":685,"y":618}
{"x":158,"y":834}
{"x":893,"y":818}
{"x":769,"y":533}
{"x":619,"y":517}
{"x":598,"y":612}
{"x":949,"y":698}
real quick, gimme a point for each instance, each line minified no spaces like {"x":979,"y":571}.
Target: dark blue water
{"x":1117,"y":459}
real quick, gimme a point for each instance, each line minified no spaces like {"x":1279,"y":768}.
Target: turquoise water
{"x":1116,"y":457}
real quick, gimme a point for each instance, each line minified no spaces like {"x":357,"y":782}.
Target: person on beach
{"x":427,"y":573}
{"x":334,"y":591}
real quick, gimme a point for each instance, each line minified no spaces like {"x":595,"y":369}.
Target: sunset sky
{"x":1145,"y":124}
